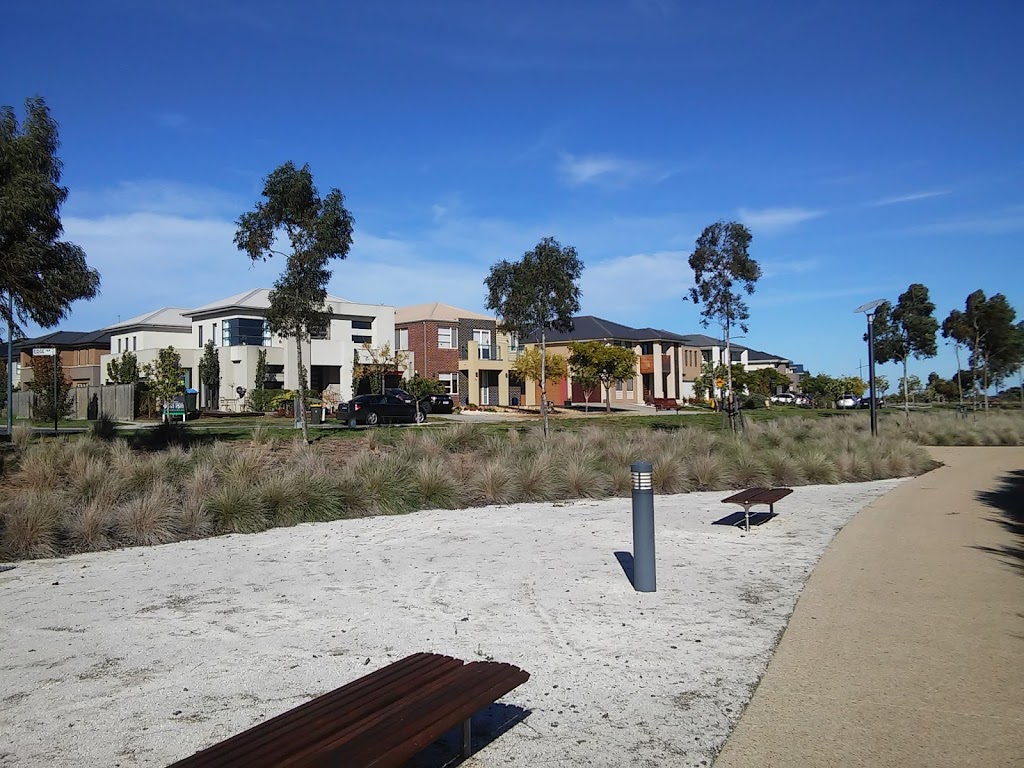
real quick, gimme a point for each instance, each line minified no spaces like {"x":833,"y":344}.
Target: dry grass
{"x":62,"y":496}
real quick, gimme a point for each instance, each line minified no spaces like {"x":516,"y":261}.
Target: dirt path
{"x":906,"y":645}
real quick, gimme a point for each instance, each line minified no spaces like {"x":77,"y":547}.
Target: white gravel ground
{"x":143,"y":656}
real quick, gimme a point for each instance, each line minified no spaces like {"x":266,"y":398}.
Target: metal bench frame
{"x":382,"y":719}
{"x":753,"y":496}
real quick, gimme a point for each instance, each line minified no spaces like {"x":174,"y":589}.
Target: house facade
{"x":238,"y":327}
{"x":462,"y":349}
{"x":80,"y":357}
{"x":666,"y":363}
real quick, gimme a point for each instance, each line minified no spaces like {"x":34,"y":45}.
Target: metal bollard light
{"x":644,"y":578}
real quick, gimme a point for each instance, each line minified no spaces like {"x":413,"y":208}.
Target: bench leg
{"x":746,"y":515}
{"x":467,"y":738}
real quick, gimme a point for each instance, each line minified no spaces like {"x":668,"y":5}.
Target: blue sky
{"x":866,"y":145}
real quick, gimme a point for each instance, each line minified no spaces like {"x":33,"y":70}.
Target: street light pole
{"x":869,"y":310}
{"x":871,"y":374}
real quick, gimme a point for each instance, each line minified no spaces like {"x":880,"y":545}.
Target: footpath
{"x":906,"y":647}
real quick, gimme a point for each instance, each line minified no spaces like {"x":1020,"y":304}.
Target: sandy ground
{"x":143,"y":656}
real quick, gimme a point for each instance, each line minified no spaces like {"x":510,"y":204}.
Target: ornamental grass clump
{"x":493,"y":483}
{"x":435,"y":484}
{"x":149,"y":518}
{"x":30,"y":524}
{"x":535,"y":476}
{"x":582,"y":476}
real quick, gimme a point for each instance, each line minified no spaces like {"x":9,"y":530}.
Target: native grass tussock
{"x":86,"y":494}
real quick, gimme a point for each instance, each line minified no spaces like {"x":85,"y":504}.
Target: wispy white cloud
{"x":619,"y":288}
{"x":770,"y":220}
{"x":158,"y":196}
{"x":171,"y":120}
{"x":578,"y":170}
{"x":782,"y":298}
{"x":1001,"y":222}
{"x":779,"y":267}
{"x":912,"y":197}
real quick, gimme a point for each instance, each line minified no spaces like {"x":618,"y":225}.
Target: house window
{"x":513,"y":341}
{"x":401,"y":338}
{"x":362,"y":325}
{"x":629,"y":385}
{"x":362,"y":339}
{"x":647,"y":348}
{"x":244,"y":331}
{"x":618,"y":385}
{"x":213,"y":332}
{"x":447,"y":338}
{"x":200,"y":335}
{"x":133,"y":343}
{"x":450,"y":382}
{"x":322,"y":332}
{"x":483,"y":341}
{"x":118,"y":346}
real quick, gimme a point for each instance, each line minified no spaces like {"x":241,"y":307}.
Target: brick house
{"x":462,"y":349}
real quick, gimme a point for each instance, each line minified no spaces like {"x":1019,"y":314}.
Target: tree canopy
{"x":318,"y":231}
{"x":123,"y":369}
{"x":906,"y":330}
{"x":723,"y":271}
{"x":209,"y":373}
{"x":986,"y":327}
{"x":532,"y":364}
{"x":536,"y":294}
{"x":607,"y":362}
{"x":43,"y":274}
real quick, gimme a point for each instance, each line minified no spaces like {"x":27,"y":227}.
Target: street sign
{"x":44,"y":351}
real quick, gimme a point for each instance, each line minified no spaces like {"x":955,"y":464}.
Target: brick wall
{"x":430,"y":360}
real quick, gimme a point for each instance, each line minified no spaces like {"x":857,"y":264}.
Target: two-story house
{"x":238,"y":328}
{"x":80,"y":356}
{"x":464,"y":350}
{"x":666,"y":363}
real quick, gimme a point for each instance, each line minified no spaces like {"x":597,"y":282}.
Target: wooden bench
{"x":753,"y":496}
{"x":664,"y":403}
{"x":382,"y":719}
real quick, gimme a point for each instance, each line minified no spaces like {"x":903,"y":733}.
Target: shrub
{"x":492,"y":483}
{"x":29,"y":524}
{"x":103,"y":428}
{"x":535,"y":476}
{"x":435,"y":484}
{"x":708,"y":472}
{"x":150,"y":518}
{"x":583,"y":477}
{"x":21,"y":436}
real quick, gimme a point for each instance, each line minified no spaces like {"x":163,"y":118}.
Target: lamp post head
{"x":869,"y":308}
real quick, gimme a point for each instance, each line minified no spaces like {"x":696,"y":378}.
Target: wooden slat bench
{"x":753,"y":496}
{"x":665,"y":403}
{"x":382,"y":719}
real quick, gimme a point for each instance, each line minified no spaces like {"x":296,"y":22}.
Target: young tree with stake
{"x":536,"y":294}
{"x":721,"y":264}
{"x":318,"y":231}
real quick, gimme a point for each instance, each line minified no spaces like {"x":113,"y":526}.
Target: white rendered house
{"x":238,"y":327}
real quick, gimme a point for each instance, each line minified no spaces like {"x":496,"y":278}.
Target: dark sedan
{"x":865,"y":402}
{"x":437,"y":404}
{"x":379,"y":409}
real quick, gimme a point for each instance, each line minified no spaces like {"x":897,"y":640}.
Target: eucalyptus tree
{"x":906,"y":330}
{"x":723,"y":271}
{"x":40,"y":274}
{"x":318,"y":231}
{"x":537,"y":294}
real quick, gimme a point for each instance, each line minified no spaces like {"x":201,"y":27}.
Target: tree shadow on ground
{"x":488,"y":725}
{"x":1008,"y":499}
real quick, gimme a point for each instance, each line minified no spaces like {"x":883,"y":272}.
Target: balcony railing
{"x":486,"y":352}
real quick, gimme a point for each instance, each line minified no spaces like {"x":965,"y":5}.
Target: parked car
{"x":401,"y":394}
{"x":379,"y":409}
{"x":786,"y":398}
{"x":865,"y":402}
{"x":437,"y":404}
{"x":848,"y":400}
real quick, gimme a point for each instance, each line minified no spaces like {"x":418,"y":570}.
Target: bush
{"x":104,"y":428}
{"x":755,"y":401}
